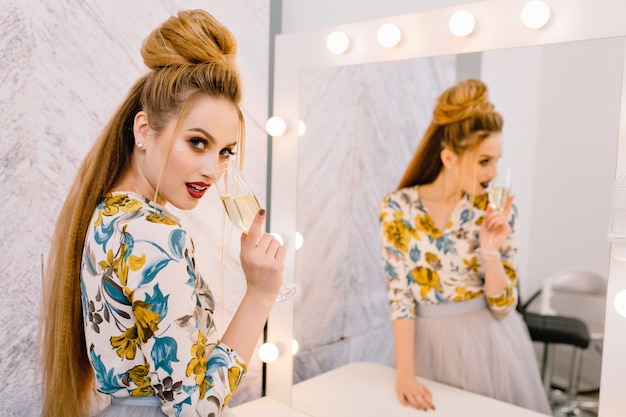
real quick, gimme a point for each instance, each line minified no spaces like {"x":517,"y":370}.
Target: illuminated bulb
{"x":299,"y":240}
{"x":278,"y":237}
{"x":301,"y":128}
{"x":389,"y":35}
{"x":337,"y":42}
{"x":268,"y":352}
{"x":294,"y":346}
{"x":535,"y":14}
{"x":276,"y":126}
{"x":462,"y":23}
{"x":620,"y":303}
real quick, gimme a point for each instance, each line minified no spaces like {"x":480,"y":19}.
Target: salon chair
{"x":552,"y":330}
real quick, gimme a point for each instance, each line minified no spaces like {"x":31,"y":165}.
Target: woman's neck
{"x":442,"y":190}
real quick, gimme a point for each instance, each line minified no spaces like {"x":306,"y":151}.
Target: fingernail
{"x":262,"y":212}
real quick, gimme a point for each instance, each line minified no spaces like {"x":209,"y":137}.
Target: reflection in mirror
{"x":561,"y":109}
{"x":361,"y":130}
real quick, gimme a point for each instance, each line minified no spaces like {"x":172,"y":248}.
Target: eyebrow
{"x":210,"y":137}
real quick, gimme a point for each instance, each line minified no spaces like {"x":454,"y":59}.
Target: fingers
{"x":270,"y":245}
{"x":417,"y":396}
{"x":254,"y":233}
{"x":419,"y":401}
{"x":508,"y":205}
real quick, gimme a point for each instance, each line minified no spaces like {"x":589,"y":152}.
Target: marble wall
{"x":347,"y":163}
{"x":64,"y":67}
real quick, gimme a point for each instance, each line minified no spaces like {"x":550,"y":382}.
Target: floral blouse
{"x":425,"y":266}
{"x":149,"y":315}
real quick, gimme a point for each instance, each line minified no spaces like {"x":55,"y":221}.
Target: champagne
{"x":241,"y":209}
{"x":498,"y":197}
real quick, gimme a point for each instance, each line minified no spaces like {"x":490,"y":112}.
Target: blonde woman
{"x":126,"y":312}
{"x":453,"y":310}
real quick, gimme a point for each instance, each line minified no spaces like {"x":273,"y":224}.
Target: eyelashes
{"x":228,"y":152}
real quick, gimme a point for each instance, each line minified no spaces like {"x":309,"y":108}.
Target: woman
{"x":126,"y":312}
{"x":453,"y":310}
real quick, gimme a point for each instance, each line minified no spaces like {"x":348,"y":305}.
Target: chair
{"x":579,"y":292}
{"x":571,"y":313}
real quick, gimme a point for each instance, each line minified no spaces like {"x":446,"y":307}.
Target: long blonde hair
{"x":462,"y":118}
{"x":189,"y":55}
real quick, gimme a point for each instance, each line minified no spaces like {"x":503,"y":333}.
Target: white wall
{"x":561,"y":109}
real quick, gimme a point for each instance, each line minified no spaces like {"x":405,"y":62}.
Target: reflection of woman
{"x":453,"y":311}
{"x":125,"y":306}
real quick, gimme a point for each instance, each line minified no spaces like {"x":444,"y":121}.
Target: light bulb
{"x":462,"y":23}
{"x":337,"y":42}
{"x":294,"y":346}
{"x":268,"y":352}
{"x":620,"y":303}
{"x":276,"y":126}
{"x":389,"y":35}
{"x":301,"y":128}
{"x":299,"y":241}
{"x":535,"y":14}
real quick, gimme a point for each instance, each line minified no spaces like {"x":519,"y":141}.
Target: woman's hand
{"x":411,"y":392}
{"x":262,"y":259}
{"x":495,"y":227}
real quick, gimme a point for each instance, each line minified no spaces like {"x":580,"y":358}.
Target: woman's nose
{"x":215,"y":169}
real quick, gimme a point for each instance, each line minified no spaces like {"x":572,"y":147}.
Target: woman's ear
{"x":141,"y":128}
{"x":448,"y":158}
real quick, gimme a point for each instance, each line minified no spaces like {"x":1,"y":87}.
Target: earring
{"x":139,"y":145}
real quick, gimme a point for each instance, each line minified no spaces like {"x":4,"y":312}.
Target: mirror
{"x":297,"y":52}
{"x":363,"y":125}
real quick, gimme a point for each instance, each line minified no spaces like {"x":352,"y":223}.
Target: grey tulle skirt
{"x":479,"y":353}
{"x":141,"y":407}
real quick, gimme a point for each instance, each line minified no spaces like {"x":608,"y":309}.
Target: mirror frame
{"x":424,"y":34}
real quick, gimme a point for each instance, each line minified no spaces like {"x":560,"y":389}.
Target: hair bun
{"x":190,"y":37}
{"x":465,"y":99}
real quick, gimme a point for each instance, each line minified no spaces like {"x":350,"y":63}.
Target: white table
{"x":266,"y":407}
{"x":367,"y":390}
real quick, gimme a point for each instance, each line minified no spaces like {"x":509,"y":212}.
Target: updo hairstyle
{"x":463,"y":117}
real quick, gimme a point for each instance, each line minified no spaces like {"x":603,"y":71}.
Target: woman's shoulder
{"x":402,"y":194}
{"x":402,"y":200}
{"x":132,"y":211}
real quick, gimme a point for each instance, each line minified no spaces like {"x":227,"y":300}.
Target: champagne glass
{"x":500,"y":190}
{"x":498,"y":193}
{"x":241,"y":206}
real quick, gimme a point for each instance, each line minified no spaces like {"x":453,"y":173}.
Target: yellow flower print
{"x":462,"y":294}
{"x":433,"y":260}
{"x":425,"y":224}
{"x":510,"y":271}
{"x":398,"y":233}
{"x":427,"y":278}
{"x":126,"y":343}
{"x":197,"y":365}
{"x":98,"y":221}
{"x":161,"y":219}
{"x":139,"y":375}
{"x":480,"y":201}
{"x":472,"y":264}
{"x":146,"y":320}
{"x":119,"y":202}
{"x":121,"y":265}
{"x":502,"y":300}
{"x":235,"y":374}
